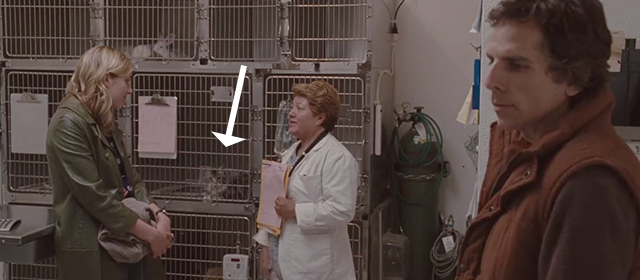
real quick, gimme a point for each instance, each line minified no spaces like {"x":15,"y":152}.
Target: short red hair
{"x":323,"y":98}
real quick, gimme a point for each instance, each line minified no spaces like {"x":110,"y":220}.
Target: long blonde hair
{"x":88,"y":87}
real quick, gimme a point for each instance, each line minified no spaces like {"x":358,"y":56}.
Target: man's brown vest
{"x":521,"y":185}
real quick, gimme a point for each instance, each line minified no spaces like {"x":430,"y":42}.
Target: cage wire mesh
{"x":349,"y":129}
{"x":471,"y":146}
{"x":200,"y":243}
{"x":152,"y":29}
{"x":29,"y":173}
{"x":355,"y":238}
{"x":329,"y":30}
{"x":204,"y":168}
{"x":243,"y":30}
{"x":33,"y":29}
{"x":43,"y":270}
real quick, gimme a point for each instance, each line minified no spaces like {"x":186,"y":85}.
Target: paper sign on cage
{"x":158,"y":127}
{"x":617,"y":45}
{"x":274,"y":182}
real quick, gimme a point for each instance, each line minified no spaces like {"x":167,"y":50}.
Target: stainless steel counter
{"x":31,"y":240}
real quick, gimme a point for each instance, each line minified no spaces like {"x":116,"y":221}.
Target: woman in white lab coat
{"x":321,"y":197}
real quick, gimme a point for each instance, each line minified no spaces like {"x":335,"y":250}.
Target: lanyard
{"x":324,"y":133}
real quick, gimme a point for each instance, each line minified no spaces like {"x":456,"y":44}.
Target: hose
{"x":433,"y":130}
{"x":445,"y":264}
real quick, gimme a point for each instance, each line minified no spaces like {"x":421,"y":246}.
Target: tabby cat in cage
{"x":215,"y":187}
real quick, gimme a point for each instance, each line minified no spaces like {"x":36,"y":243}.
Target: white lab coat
{"x":323,"y":186}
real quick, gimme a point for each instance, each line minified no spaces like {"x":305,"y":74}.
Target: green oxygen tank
{"x":418,"y":188}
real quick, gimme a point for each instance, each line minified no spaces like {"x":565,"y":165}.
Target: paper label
{"x":448,"y":243}
{"x":422,"y":132}
{"x":635,"y":147}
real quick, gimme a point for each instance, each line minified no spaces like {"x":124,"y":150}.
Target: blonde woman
{"x":321,"y":198}
{"x":91,"y":175}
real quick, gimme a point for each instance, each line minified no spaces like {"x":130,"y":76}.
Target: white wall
{"x":621,"y":15}
{"x":434,"y":69}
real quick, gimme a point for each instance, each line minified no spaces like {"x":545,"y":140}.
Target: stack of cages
{"x":193,"y":50}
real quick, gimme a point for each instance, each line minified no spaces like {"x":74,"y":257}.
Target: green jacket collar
{"x":72,"y":103}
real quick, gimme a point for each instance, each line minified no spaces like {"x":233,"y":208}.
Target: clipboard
{"x":271,"y":229}
{"x":28,"y":97}
{"x":156,"y":99}
{"x":29,"y":123}
{"x":160,"y":125}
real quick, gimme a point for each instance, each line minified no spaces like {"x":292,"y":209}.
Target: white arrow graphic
{"x":228,"y":139}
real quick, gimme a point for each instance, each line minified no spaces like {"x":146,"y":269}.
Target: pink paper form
{"x":157,"y":126}
{"x":273,"y":185}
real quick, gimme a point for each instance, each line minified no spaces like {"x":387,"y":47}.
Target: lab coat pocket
{"x":312,"y":255}
{"x":311,"y":188}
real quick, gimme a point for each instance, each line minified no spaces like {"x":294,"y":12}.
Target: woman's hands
{"x":164,"y":223}
{"x":164,"y":226}
{"x":159,"y":240}
{"x":286,"y":208}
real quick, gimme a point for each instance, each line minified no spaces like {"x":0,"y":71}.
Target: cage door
{"x":243,"y":30}
{"x":152,"y":30}
{"x":45,"y":29}
{"x":203,"y":169}
{"x":329,"y":31}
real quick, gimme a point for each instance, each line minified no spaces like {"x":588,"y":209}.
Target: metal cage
{"x":35,"y":34}
{"x":243,"y":30}
{"x":202,"y":240}
{"x":329,"y":30}
{"x":200,"y":243}
{"x":29,"y":173}
{"x":349,"y":129}
{"x":152,"y":29}
{"x":44,"y":270}
{"x":204,"y":105}
{"x":33,"y":28}
{"x":358,"y":247}
{"x":232,"y":30}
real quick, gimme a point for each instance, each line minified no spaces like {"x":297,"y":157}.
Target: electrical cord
{"x":386,"y":71}
{"x":398,"y":9}
{"x":393,"y":29}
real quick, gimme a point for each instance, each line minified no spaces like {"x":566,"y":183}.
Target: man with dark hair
{"x":561,"y":195}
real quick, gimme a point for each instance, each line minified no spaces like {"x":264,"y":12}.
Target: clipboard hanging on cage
{"x":29,"y":122}
{"x":158,"y":100}
{"x":28,"y":97}
{"x":158,"y":126}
